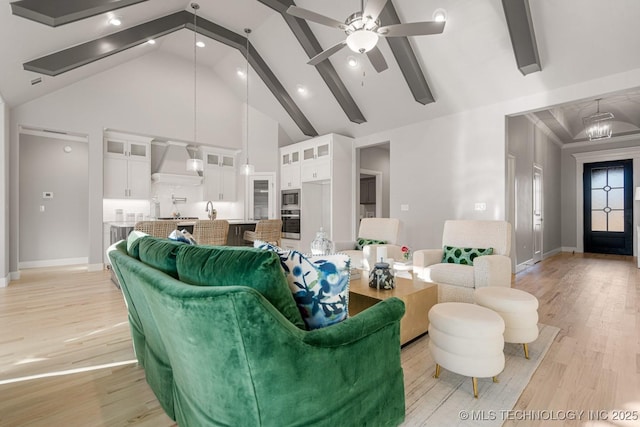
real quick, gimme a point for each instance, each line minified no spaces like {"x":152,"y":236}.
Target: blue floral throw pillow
{"x":319,"y":284}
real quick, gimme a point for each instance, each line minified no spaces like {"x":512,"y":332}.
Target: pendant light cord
{"x":195,"y":7}
{"x":247,"y":31}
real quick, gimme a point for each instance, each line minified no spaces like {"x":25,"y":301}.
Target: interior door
{"x":608,"y":207}
{"x":537,"y":214}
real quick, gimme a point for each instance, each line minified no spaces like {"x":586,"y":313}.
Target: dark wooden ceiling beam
{"x":85,"y":53}
{"x":60,"y":12}
{"x":406,"y":58}
{"x":311,"y":46}
{"x":523,"y":38}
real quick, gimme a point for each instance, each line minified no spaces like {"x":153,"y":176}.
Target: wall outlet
{"x":404,"y":207}
{"x":47,"y":195}
{"x":480,"y":206}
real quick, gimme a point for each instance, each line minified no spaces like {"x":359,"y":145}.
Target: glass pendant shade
{"x":321,"y":245}
{"x":248,"y":169}
{"x":362,"y":40}
{"x":195,"y":165}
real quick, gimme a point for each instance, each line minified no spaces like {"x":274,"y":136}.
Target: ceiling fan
{"x":363,"y":30}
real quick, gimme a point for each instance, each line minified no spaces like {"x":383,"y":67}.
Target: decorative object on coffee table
{"x":381,"y":277}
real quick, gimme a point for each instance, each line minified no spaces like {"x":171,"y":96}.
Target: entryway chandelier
{"x":598,"y":125}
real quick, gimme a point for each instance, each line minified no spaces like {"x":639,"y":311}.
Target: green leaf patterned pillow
{"x":362,"y":242}
{"x":464,"y":256}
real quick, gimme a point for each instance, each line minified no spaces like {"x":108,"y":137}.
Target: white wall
{"x":4,"y":194}
{"x":152,"y":95}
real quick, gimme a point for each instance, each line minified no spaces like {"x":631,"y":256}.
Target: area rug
{"x":449,"y":401}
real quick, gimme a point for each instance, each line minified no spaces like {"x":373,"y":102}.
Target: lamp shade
{"x":362,"y":40}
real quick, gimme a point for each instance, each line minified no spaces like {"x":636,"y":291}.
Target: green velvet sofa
{"x":220,"y":345}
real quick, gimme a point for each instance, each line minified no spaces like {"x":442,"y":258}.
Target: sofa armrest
{"x":423,"y":258}
{"x":492,"y":270}
{"x":344,"y":246}
{"x":359,"y":326}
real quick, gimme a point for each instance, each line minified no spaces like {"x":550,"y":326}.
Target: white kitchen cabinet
{"x":220,"y":176}
{"x":127,"y":169}
{"x":326,"y":177}
{"x":289,"y":168}
{"x":316,"y":159}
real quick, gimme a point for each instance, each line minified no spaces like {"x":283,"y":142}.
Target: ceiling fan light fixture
{"x":362,"y":41}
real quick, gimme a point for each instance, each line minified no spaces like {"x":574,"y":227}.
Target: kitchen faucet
{"x":210,"y":211}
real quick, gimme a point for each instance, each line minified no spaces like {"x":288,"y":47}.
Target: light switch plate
{"x":480,"y":206}
{"x":404,"y":207}
{"x":47,"y":195}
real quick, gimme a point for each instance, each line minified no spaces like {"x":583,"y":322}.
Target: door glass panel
{"x":598,"y":178}
{"x":295,"y":156}
{"x":227,"y":161}
{"x":307,"y":154}
{"x":598,"y":199}
{"x":323,"y":150}
{"x":115,"y":147}
{"x":616,"y":198}
{"x":598,"y":221}
{"x":261,"y":199}
{"x":616,"y":177}
{"x":139,"y":150}
{"x":616,"y":221}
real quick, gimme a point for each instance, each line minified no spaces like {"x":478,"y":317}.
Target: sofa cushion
{"x":363,"y":241}
{"x":160,"y":254}
{"x":230,"y":266}
{"x":451,"y":274}
{"x":465,"y":256}
{"x":319,"y":284}
{"x":133,"y":243}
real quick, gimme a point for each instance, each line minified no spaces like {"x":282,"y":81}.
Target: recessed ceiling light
{"x":440,"y":15}
{"x":352,"y":61}
{"x":200,"y":43}
{"x":151,"y":41}
{"x":241,"y":73}
{"x":301,"y":89}
{"x":115,"y":21}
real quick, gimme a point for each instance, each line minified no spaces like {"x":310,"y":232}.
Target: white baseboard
{"x":524,"y":265}
{"x":552,"y":253}
{"x":53,"y":262}
{"x":570,"y":249}
{"x":95,"y":267}
{"x":14,"y":275}
{"x":4,"y":281}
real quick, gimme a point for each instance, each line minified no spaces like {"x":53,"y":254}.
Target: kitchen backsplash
{"x":193,"y":207}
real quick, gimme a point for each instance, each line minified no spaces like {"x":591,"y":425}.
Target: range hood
{"x":168,"y":164}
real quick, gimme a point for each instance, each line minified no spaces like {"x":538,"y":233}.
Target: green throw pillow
{"x":362,"y":242}
{"x":160,"y":254}
{"x":464,"y":256}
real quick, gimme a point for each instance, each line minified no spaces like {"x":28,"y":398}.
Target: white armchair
{"x":457,"y":282}
{"x":383,"y":229}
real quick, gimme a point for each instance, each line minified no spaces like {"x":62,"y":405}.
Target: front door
{"x":608,"y":207}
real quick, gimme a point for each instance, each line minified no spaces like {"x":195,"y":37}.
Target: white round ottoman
{"x":466,"y":339}
{"x":518,"y":309}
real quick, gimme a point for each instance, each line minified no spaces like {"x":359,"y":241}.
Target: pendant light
{"x":194,"y":164}
{"x":247,"y":168}
{"x":598,"y":125}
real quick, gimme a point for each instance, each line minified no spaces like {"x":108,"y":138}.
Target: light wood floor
{"x":67,"y":320}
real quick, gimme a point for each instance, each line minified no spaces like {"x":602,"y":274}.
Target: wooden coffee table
{"x":418,"y":297}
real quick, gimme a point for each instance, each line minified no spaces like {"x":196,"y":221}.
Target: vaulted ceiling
{"x":474,"y":62}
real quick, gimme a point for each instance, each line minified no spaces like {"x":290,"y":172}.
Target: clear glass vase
{"x":321,"y":245}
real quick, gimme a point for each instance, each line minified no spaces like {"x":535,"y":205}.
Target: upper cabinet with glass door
{"x":290,"y":167}
{"x":133,"y":150}
{"x":316,"y":159}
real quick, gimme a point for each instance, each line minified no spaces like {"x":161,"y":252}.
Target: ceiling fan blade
{"x":374,"y":8}
{"x":411,"y":29}
{"x":299,"y":12}
{"x":326,"y":53}
{"x":377,"y":60}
